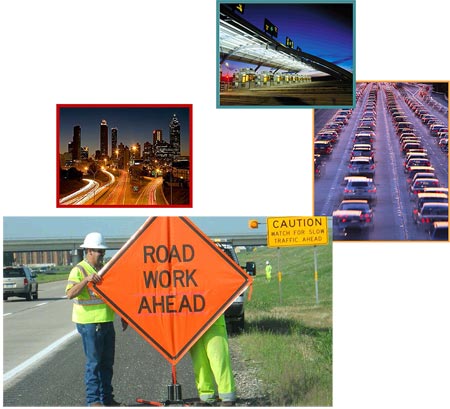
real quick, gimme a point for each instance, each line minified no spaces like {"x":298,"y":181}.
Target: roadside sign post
{"x":279,"y":275}
{"x":298,"y":231}
{"x":316,"y":275}
{"x":170,"y":282}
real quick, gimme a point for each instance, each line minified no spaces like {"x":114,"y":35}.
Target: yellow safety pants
{"x":212,"y":364}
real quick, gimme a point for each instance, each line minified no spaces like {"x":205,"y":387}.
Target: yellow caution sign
{"x":297,"y":231}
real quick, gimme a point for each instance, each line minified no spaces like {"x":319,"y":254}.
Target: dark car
{"x":360,"y":187}
{"x":250,"y":267}
{"x":323,"y":147}
{"x":19,"y":281}
{"x":235,"y":313}
{"x":353,"y":215}
{"x":361,"y":166}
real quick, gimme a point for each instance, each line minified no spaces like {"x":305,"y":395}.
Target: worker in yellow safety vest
{"x":268,"y":271}
{"x":212,"y":366}
{"x":95,"y":322}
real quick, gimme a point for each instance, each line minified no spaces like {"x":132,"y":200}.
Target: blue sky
{"x":322,"y":29}
{"x":134,"y":125}
{"x":54,"y":227}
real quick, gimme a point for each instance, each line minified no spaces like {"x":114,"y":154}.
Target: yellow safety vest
{"x":88,"y":308}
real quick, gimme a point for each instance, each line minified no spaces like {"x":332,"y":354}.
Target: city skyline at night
{"x":134,"y":124}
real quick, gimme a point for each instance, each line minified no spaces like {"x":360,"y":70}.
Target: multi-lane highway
{"x":393,"y":207}
{"x":119,"y":191}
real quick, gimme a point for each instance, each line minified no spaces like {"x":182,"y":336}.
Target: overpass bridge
{"x":239,"y":40}
{"x":114,"y":243}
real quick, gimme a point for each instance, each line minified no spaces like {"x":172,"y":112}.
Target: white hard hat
{"x":267,"y":262}
{"x":94,"y":241}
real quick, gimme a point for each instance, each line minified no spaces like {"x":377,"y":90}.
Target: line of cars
{"x":429,"y":195}
{"x":355,"y":212}
{"x":327,"y":137}
{"x":438,"y":129}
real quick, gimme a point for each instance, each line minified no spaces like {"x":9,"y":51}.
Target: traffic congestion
{"x":381,"y":169}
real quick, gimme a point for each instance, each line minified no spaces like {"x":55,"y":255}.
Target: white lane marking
{"x":42,"y":303}
{"x":35,"y":358}
{"x":8,"y":313}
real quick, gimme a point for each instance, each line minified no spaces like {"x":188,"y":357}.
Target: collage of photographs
{"x":225,"y":204}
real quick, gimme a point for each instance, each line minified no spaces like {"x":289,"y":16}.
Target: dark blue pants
{"x":99,"y":346}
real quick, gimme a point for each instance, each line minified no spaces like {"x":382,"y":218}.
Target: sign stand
{"x":174,"y":395}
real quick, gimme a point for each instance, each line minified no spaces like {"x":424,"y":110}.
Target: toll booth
{"x":265,"y":79}
{"x":245,"y":78}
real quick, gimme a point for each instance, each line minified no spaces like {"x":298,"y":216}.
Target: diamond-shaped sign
{"x":170,"y":282}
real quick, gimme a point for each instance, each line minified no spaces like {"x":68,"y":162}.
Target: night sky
{"x":323,"y":30}
{"x":134,"y":125}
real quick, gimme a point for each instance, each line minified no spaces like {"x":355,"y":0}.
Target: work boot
{"x":114,"y":403}
{"x":227,"y":403}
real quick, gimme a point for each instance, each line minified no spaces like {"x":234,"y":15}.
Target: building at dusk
{"x":76,"y":143}
{"x":157,"y":136}
{"x":175,"y":134}
{"x":113,"y":142}
{"x":103,"y":139}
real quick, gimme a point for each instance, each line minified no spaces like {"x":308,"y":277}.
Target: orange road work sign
{"x":170,"y":282}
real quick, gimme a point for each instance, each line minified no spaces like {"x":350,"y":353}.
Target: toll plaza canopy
{"x":241,"y":41}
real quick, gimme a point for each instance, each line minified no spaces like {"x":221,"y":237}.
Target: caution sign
{"x":297,"y":231}
{"x":170,"y":282}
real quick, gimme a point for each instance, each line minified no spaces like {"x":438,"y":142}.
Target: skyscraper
{"x":113,"y":142}
{"x":103,"y":139}
{"x":175,"y":134}
{"x":157,"y":136}
{"x":76,"y":143}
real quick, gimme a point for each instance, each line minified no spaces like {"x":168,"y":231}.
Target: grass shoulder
{"x":288,"y":333}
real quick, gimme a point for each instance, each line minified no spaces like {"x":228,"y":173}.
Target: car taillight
{"x":425,"y":220}
{"x":25,"y":281}
{"x":347,"y":190}
{"x":373,"y":190}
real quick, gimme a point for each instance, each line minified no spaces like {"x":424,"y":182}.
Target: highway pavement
{"x":56,"y":379}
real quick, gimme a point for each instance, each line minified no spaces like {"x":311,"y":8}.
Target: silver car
{"x":19,"y":281}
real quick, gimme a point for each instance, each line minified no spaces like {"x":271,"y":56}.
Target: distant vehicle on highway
{"x":19,"y":281}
